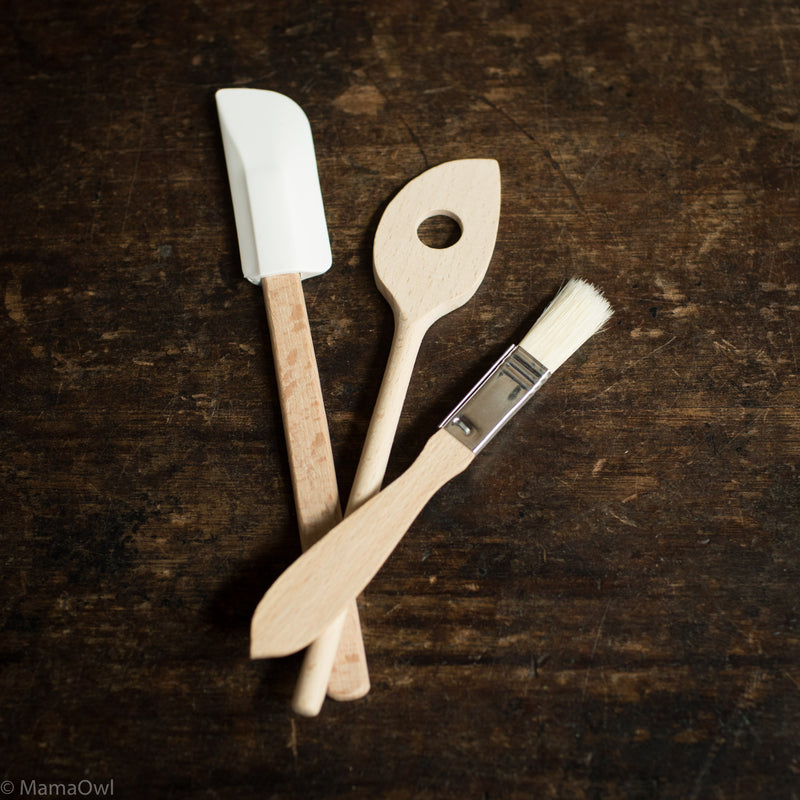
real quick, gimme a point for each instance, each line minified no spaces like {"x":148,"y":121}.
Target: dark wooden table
{"x":606,"y":604}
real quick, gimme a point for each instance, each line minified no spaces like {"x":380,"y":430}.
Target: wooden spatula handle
{"x":307,"y":440}
{"x":344,"y":683}
{"x":316,"y":493}
{"x":310,"y":595}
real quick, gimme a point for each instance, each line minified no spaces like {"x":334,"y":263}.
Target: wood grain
{"x":605,"y":604}
{"x":309,"y":595}
{"x":308,"y":443}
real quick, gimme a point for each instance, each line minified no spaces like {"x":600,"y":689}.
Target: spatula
{"x":283,"y":238}
{"x":421,"y":284}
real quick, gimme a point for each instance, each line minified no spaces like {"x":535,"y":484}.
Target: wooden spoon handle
{"x":386,"y":414}
{"x":333,"y":664}
{"x":310,"y":595}
{"x":334,"y":661}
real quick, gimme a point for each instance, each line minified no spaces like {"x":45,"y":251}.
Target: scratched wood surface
{"x":605,"y":605}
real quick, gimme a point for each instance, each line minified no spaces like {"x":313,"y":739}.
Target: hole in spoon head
{"x":439,"y":231}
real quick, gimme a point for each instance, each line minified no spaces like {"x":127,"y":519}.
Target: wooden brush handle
{"x":333,"y":662}
{"x":310,"y":595}
{"x":307,"y":439}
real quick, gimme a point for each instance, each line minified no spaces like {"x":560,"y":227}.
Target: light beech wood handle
{"x":311,"y":464}
{"x":334,"y":664}
{"x":334,"y":661}
{"x":344,"y":683}
{"x":386,"y":415}
{"x":316,"y":493}
{"x":310,"y":595}
{"x":317,"y":667}
{"x":308,"y":443}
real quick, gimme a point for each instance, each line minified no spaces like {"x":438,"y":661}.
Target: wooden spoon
{"x":421,"y":284}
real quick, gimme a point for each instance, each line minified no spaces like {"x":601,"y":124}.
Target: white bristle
{"x":574,"y":315}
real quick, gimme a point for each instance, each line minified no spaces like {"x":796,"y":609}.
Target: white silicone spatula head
{"x":272,"y":168}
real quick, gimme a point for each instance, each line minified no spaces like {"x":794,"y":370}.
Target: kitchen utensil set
{"x":280,"y":223}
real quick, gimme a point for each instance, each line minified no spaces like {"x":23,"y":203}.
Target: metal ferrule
{"x":505,"y":388}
